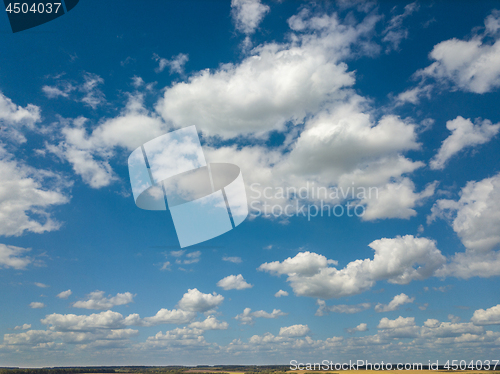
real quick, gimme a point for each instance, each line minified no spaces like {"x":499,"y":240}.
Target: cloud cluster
{"x":469,"y":65}
{"x":247,"y":14}
{"x":475,"y":219}
{"x":464,"y":134}
{"x":399,"y":260}
{"x":234,"y":282}
{"x":395,"y":303}
{"x":248,"y":317}
{"x":27,"y":196}
{"x":98,"y":300}
{"x":108,"y":326}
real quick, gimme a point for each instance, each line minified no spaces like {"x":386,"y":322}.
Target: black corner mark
{"x":25,"y":14}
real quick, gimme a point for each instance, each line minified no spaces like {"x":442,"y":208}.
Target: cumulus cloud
{"x":323,"y":309}
{"x":359,"y":328}
{"x":281,"y":293}
{"x":395,"y":303}
{"x":176,"y":316}
{"x":300,"y":87}
{"x":210,"y":323}
{"x":399,"y":260}
{"x":25,"y":326}
{"x":64,"y":294}
{"x":196,"y":301}
{"x":98,"y":300}
{"x":294,"y":331}
{"x":88,"y":150}
{"x":469,"y":65}
{"x":306,"y":263}
{"x":73,"y":322}
{"x":474,"y":217}
{"x":490,"y":316}
{"x":27,"y":196}
{"x":234,"y":282}
{"x":247,"y":14}
{"x":14,"y":118}
{"x":175,"y":64}
{"x":464,"y":134}
{"x":37,"y":305}
{"x":248,"y":317}
{"x":14,"y":257}
{"x":276,"y":84}
{"x":179,"y":339}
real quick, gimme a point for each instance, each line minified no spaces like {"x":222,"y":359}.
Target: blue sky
{"x":397,"y":97}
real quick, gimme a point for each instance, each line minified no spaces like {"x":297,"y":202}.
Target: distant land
{"x":207,"y":369}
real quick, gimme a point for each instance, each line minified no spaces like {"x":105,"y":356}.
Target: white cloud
{"x":15,"y":117}
{"x":414,"y":94}
{"x":294,"y":331}
{"x":490,"y":316}
{"x":137,"y":82}
{"x":305,"y":263}
{"x":191,"y":258}
{"x":475,"y":219}
{"x":179,"y":339}
{"x":53,"y":92}
{"x":275,"y":87}
{"x":434,"y":329}
{"x":399,"y":260}
{"x":395,"y":303}
{"x":247,"y":14}
{"x":323,"y":309}
{"x":394,"y":33}
{"x":469,"y":65}
{"x":89,"y":150}
{"x":95,"y":173}
{"x":234,"y":260}
{"x":386,"y":323}
{"x":175,"y":64}
{"x":248,"y":317}
{"x":359,"y":328}
{"x":97,"y":300}
{"x":13,"y":257}
{"x":25,"y":326}
{"x":73,"y":322}
{"x":176,"y":316}
{"x":64,"y":294}
{"x":196,"y":301}
{"x":26,"y":197}
{"x":165,"y":266}
{"x":464,"y":134}
{"x":210,"y":323}
{"x":281,"y":293}
{"x":37,"y":305}
{"x":41,"y":285}
{"x":234,"y":282}
{"x":278,"y":83}
{"x":93,"y":95}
